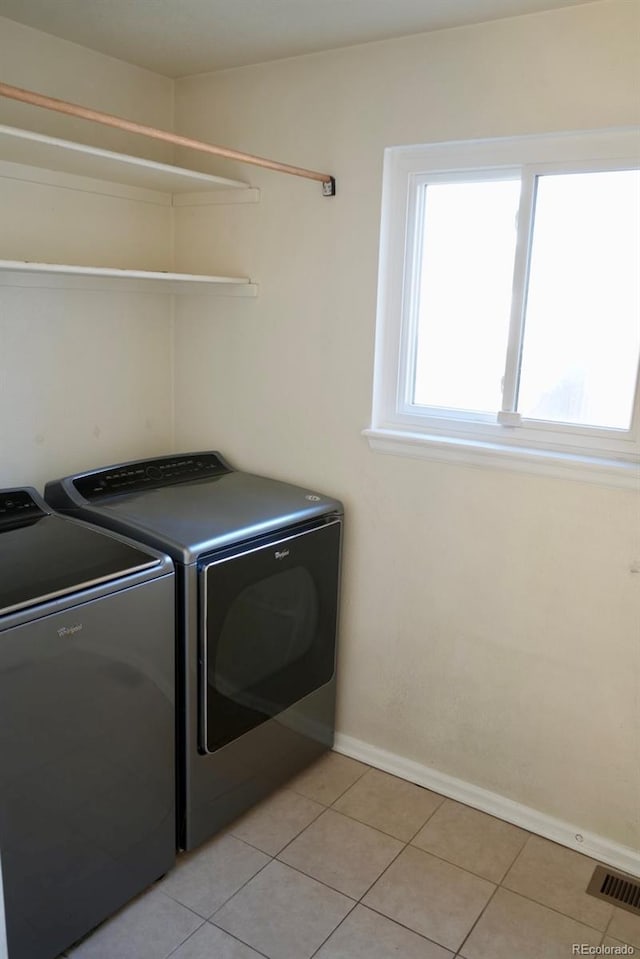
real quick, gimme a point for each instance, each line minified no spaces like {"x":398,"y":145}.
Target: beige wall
{"x":490,"y":620}
{"x":85,"y":376}
{"x":68,"y":71}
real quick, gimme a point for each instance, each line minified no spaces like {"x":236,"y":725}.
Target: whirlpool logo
{"x":280,"y":554}
{"x":69,"y":630}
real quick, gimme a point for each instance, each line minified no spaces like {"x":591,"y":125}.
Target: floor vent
{"x":615,"y":887}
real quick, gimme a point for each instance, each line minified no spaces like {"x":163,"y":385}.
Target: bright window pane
{"x":465,"y":293}
{"x":582,"y":330}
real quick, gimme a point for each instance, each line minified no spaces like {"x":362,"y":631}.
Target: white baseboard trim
{"x":598,"y":847}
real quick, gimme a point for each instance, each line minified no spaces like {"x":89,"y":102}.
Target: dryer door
{"x":268,"y":630}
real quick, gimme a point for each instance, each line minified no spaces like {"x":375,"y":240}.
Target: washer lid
{"x":43,"y":557}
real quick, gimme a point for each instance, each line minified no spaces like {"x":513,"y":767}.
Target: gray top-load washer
{"x":257,"y":573}
{"x":87,"y":781}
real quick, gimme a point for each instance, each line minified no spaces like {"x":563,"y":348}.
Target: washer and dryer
{"x":257,"y":576}
{"x":87,"y":786}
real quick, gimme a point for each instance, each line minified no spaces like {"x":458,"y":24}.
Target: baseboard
{"x":590,"y":844}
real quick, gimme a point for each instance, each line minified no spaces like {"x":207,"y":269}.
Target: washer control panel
{"x":18,"y":507}
{"x":150,"y":474}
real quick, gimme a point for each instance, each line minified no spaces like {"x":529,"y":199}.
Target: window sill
{"x":619,"y":474}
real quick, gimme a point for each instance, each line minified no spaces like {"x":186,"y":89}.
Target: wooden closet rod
{"x":75,"y":110}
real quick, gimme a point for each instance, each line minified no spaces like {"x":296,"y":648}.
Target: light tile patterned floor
{"x":350,"y":863}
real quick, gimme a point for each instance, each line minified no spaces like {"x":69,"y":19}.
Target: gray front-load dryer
{"x":87,"y":783}
{"x":257,"y":573}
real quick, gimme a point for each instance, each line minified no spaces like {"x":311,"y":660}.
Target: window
{"x":509,"y":304}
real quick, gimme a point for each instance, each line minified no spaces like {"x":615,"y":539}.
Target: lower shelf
{"x":27,"y":273}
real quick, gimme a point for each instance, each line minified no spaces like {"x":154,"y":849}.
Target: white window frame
{"x":400,"y":426}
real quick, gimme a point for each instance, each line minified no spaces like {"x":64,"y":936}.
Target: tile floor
{"x":348,"y":862}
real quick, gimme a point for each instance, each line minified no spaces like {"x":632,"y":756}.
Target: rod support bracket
{"x":329,"y":187}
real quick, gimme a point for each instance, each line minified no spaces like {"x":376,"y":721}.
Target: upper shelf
{"x":53,"y":153}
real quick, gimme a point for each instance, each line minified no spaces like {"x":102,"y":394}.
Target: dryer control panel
{"x":150,"y":474}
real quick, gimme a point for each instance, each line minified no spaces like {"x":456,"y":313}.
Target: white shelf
{"x":27,"y":273}
{"x":79,"y":159}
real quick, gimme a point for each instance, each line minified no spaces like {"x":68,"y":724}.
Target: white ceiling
{"x":182,"y":37}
